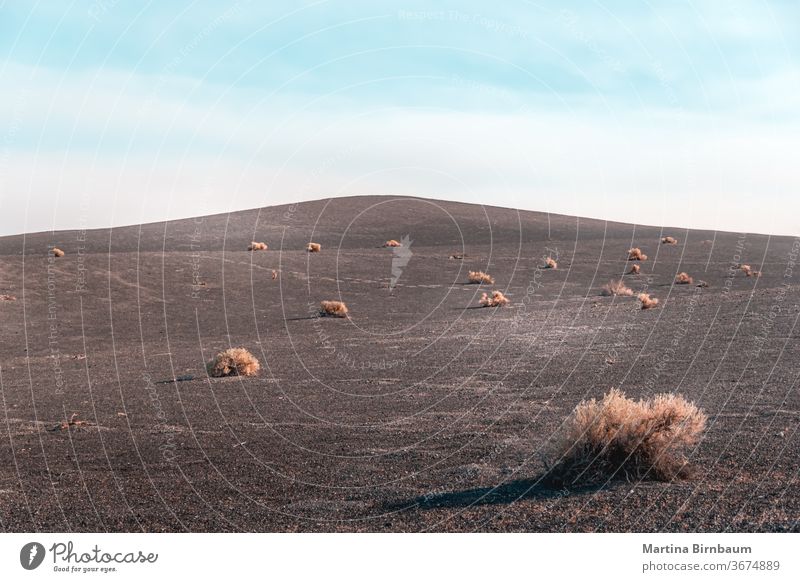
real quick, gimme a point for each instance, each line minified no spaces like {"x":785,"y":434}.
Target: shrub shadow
{"x":184,"y":378}
{"x":502,"y":494}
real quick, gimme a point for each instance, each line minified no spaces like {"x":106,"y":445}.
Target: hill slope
{"x":419,"y":412}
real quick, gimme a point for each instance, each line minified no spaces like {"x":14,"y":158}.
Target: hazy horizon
{"x":680,"y":114}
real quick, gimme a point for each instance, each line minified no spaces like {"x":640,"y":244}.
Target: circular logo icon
{"x":31,"y":555}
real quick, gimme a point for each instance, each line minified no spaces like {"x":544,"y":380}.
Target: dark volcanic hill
{"x":420,"y":412}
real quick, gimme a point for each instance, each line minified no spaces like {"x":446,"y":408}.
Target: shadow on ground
{"x":505,"y":493}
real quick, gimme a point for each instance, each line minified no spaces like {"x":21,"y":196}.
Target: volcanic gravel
{"x":419,"y":412}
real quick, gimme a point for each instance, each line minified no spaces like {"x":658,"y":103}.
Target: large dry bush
{"x":313,"y":247}
{"x":616,"y":288}
{"x":635,"y":268}
{"x":647,"y":301}
{"x":392,"y":243}
{"x":233,"y":362}
{"x":332,"y":309}
{"x":668,"y":240}
{"x":620,"y":438}
{"x":683,"y":279}
{"x":496,"y":299}
{"x":480,"y":277}
{"x":57,"y":252}
{"x":257,"y":246}
{"x":550,"y":263}
{"x":636,"y":254}
{"x":7,"y":298}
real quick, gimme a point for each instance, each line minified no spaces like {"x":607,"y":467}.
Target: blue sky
{"x":671,"y":113}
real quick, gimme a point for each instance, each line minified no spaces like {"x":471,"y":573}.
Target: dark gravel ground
{"x":420,"y":412}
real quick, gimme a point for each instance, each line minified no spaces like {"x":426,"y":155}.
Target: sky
{"x":681,"y":113}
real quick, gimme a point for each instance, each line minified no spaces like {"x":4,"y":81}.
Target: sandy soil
{"x":421,"y":412}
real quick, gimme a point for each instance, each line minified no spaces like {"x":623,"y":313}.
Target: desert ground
{"x":421,"y":411}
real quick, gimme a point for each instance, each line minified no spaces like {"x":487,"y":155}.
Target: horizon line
{"x":398,"y":197}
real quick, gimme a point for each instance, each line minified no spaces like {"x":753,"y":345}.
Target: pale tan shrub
{"x":668,"y":240}
{"x":748,"y":270}
{"x":392,"y":243}
{"x":257,"y":246}
{"x":274,"y":274}
{"x":636,"y":254}
{"x":480,"y":277}
{"x":332,"y":309}
{"x":233,"y":362}
{"x":683,"y":279}
{"x":7,"y":298}
{"x":496,"y":299}
{"x":73,"y":422}
{"x":57,"y":252}
{"x":314,"y":247}
{"x":550,"y":263}
{"x":619,"y":438}
{"x":635,"y":268}
{"x":647,"y":301}
{"x":616,"y":288}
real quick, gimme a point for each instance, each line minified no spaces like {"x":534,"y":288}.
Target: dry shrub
{"x":314,"y":247}
{"x":480,"y":277}
{"x":701,"y":283}
{"x":496,"y":299}
{"x":274,"y":274}
{"x":748,"y":270}
{"x":635,"y":268}
{"x":549,"y":263}
{"x":332,"y":309}
{"x":57,"y":252}
{"x":636,"y":254}
{"x":257,"y":246}
{"x":233,"y":362}
{"x":7,"y":298}
{"x":392,"y":243}
{"x":647,"y":301}
{"x":73,"y":422}
{"x":616,"y":288}
{"x":668,"y":240}
{"x":620,"y":438}
{"x":683,"y":279}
